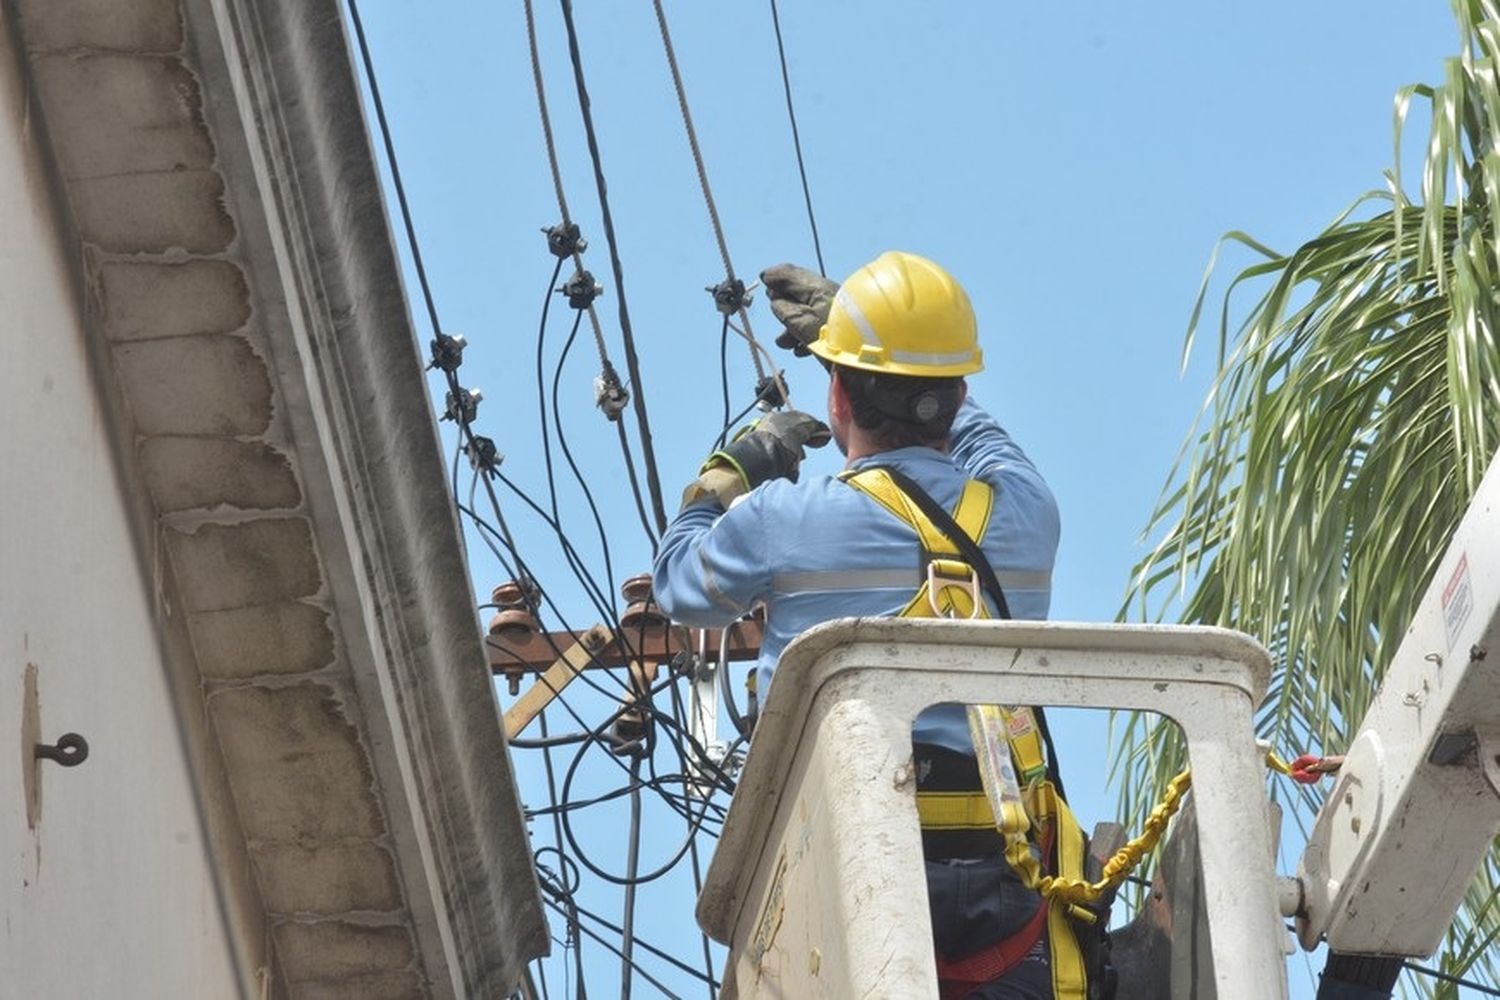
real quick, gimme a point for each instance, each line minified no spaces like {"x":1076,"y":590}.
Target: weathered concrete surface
{"x":201,"y":473}
{"x":287,"y":637}
{"x":145,"y":301}
{"x":239,"y":277}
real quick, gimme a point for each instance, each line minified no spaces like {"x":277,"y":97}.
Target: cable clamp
{"x":768,"y":391}
{"x":463,"y":406}
{"x":581,"y":290}
{"x":609,"y":395}
{"x":447,"y":352}
{"x":483,"y":455}
{"x":563,"y":239}
{"x":731,"y":295}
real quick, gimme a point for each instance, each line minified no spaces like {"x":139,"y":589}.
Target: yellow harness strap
{"x":951,"y":589}
{"x":1007,"y":739}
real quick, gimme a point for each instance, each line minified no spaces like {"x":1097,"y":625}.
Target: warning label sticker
{"x":1458,"y":601}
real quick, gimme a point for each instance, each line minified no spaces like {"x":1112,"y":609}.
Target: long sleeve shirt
{"x":818,"y":549}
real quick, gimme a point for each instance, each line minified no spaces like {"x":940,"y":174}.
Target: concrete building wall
{"x":106,"y":884}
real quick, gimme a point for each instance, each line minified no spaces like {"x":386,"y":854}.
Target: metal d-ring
{"x":70,"y":750}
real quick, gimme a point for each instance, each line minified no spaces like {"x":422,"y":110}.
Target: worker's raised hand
{"x":771,"y":448}
{"x":800,"y":299}
{"x":796,"y":430}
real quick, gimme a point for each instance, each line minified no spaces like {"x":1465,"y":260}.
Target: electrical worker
{"x":897,"y":338}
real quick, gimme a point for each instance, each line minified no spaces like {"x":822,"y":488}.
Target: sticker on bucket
{"x":1458,"y":601}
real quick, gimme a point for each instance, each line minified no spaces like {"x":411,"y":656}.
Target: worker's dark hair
{"x":899,"y":411}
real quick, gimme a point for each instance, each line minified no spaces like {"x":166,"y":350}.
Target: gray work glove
{"x":771,"y":448}
{"x":800,"y":299}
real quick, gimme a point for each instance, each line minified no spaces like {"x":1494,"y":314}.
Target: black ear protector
{"x":924,"y":407}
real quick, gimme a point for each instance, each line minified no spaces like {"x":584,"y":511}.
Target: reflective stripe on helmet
{"x":923,"y":358}
{"x":846,"y":302}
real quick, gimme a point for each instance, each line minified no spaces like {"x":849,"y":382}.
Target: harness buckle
{"x":952,"y":576}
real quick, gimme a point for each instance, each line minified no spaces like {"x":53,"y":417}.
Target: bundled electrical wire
{"x":624,"y":731}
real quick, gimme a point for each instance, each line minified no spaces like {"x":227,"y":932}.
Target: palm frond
{"x":1355,"y":408}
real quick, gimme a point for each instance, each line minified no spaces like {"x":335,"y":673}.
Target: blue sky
{"x":1072,"y":164}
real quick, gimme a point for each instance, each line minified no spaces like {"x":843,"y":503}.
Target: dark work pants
{"x":978,"y":903}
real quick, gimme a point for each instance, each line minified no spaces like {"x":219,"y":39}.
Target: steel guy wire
{"x":632,"y":362}
{"x":791,"y":113}
{"x":756,"y":351}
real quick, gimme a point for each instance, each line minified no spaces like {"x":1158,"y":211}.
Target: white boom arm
{"x":1417,"y":803}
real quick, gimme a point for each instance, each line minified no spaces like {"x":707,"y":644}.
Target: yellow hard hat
{"x":902,"y":315}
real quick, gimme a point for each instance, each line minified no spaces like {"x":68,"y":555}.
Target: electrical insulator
{"x":642,"y":614}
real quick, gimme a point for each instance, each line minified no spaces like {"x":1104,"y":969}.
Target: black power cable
{"x":632,"y":362}
{"x":659,"y":953}
{"x":632,"y":868}
{"x":1448,"y":977}
{"x":390,"y":156}
{"x":791,"y":113}
{"x":562,"y":441}
{"x":498,"y":539}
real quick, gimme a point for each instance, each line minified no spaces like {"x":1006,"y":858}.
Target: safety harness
{"x":1018,"y":786}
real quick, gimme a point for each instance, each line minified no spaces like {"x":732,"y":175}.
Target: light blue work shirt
{"x":818,"y":549}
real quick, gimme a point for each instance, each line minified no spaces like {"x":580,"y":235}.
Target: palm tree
{"x":1354,"y":412}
